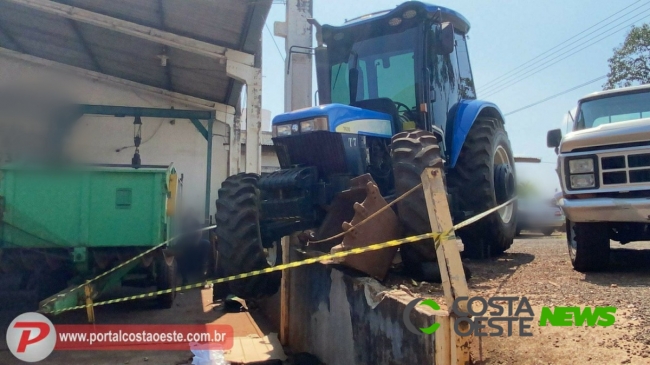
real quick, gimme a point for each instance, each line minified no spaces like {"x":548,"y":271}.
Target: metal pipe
{"x":208,"y":178}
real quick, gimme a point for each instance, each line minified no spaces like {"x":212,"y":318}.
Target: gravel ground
{"x":539,"y":268}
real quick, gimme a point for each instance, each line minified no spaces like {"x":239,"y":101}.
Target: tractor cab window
{"x":465,"y":78}
{"x":450,"y":77}
{"x":385,"y":68}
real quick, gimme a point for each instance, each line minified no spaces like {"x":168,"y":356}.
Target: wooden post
{"x":284,"y":292}
{"x":454,"y":283}
{"x":442,"y":341}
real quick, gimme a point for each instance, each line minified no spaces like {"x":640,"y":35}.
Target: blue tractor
{"x":396,"y":95}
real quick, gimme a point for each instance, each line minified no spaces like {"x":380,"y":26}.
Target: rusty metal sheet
{"x":383,"y":227}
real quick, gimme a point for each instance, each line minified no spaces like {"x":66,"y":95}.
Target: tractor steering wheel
{"x":402,"y":105}
{"x":406,"y":115}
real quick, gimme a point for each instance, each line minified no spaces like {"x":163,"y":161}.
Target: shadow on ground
{"x":627,"y":268}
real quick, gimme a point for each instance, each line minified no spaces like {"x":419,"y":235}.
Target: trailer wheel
{"x":588,"y":246}
{"x":166,"y":279}
{"x":483,"y":178}
{"x":412,"y":152}
{"x":239,"y":239}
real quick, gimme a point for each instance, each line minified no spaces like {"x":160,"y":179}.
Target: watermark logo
{"x":500,"y":320}
{"x":497,"y":316}
{"x":407,"y":319}
{"x":31,"y":337}
{"x":574,"y":316}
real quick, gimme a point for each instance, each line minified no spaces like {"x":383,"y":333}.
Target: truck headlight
{"x":316,"y":124}
{"x":581,"y":166}
{"x":582,"y":181}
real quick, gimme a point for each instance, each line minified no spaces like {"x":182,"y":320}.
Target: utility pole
{"x":297,"y":32}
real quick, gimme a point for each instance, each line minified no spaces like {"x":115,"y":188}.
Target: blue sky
{"x":504,"y":35}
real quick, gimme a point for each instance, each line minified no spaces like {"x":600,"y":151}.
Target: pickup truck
{"x":604,"y":170}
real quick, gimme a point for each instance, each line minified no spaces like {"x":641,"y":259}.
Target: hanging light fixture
{"x":137,"y":138}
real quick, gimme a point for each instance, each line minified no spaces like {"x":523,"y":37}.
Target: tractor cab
{"x":382,"y":74}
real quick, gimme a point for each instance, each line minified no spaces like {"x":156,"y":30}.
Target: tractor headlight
{"x":305,"y":126}
{"x":316,"y":124}
{"x":581,"y":166}
{"x":582,"y":181}
{"x":282,"y":130}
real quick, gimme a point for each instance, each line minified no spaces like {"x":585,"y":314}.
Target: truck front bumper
{"x":606,"y":210}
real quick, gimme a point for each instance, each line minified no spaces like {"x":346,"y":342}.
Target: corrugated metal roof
{"x":235,"y":24}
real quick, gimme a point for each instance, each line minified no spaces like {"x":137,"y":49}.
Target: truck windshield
{"x":385,"y":64}
{"x":613,"y":109}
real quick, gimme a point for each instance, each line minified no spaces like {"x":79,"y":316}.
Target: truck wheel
{"x":412,"y":152}
{"x":588,"y":245}
{"x":239,"y":239}
{"x":166,"y":279}
{"x":484,"y":177}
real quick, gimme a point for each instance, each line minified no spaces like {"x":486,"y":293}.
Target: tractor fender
{"x":467,"y":111}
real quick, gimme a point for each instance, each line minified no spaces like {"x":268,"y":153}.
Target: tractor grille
{"x":323,"y":150}
{"x":625,"y":169}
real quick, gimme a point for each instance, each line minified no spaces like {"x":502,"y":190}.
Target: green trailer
{"x":61,"y":226}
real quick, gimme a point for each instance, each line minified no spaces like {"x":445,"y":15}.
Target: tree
{"x":630,"y":64}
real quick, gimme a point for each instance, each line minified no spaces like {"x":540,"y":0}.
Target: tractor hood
{"x":343,"y":119}
{"x":607,"y":134}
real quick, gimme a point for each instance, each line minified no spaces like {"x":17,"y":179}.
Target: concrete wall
{"x":100,"y":139}
{"x":340,"y":318}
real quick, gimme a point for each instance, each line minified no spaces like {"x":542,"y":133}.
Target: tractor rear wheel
{"x":412,"y":152}
{"x":239,"y":241}
{"x":483,"y":178}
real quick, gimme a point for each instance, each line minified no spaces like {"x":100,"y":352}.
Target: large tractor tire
{"x":484,"y":177}
{"x":412,"y":152}
{"x":588,"y":245}
{"x":239,"y":240}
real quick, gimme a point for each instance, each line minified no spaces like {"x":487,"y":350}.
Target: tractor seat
{"x":382,"y":105}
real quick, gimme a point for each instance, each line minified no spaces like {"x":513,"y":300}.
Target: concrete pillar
{"x":252,"y":77}
{"x":297,"y":32}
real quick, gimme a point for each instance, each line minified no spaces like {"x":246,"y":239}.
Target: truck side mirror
{"x":553,"y":138}
{"x":446,"y":41}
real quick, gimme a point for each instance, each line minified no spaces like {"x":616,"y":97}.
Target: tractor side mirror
{"x":446,"y":41}
{"x":553,"y":138}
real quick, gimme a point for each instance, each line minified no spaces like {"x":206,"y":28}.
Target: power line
{"x":568,"y":53}
{"x":564,"y":56}
{"x":274,"y":42}
{"x":555,"y":95}
{"x":536,"y":61}
{"x":491,"y":82}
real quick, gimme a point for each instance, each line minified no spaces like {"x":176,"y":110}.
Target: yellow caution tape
{"x":62,"y":295}
{"x":438,"y":237}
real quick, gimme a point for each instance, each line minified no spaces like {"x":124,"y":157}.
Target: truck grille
{"x":625,"y":169}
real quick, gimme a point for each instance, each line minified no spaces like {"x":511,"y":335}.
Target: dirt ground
{"x":538,"y":267}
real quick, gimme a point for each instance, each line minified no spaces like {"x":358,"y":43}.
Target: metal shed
{"x":197,"y":51}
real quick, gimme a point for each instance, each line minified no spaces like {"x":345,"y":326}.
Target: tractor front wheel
{"x":483,"y":178}
{"x":412,"y":152}
{"x":239,"y":241}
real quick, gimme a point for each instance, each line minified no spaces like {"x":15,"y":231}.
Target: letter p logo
{"x":31,"y":337}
